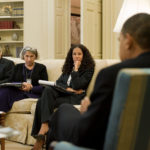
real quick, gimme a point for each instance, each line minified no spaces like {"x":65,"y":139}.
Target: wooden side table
{"x":2,"y":123}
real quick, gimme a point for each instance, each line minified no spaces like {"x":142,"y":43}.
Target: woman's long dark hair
{"x":87,"y":61}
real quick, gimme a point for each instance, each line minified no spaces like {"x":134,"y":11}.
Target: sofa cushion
{"x":23,"y":106}
{"x":15,"y":60}
{"x":33,"y":108}
{"x":54,"y":68}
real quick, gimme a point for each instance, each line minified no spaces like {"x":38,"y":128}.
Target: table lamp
{"x":128,"y":9}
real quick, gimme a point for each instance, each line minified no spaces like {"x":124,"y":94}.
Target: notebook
{"x":11,"y":84}
{"x":53,"y":84}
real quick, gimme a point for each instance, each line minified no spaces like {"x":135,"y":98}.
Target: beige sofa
{"x":21,"y":115}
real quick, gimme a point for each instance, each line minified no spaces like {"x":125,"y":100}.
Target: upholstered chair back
{"x":129,"y":122}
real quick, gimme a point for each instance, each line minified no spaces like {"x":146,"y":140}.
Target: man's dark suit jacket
{"x":6,"y":69}
{"x":93,"y":123}
{"x":88,"y":130}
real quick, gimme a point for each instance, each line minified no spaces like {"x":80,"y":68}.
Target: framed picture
{"x":75,"y":29}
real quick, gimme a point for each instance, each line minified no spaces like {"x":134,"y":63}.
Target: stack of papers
{"x":44,"y":82}
{"x":14,"y":84}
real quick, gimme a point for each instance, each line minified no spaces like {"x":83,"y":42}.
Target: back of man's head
{"x":138,"y":26}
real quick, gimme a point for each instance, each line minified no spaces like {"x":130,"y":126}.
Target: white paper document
{"x":44,"y":82}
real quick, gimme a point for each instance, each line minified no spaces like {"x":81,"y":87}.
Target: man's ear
{"x":129,"y":41}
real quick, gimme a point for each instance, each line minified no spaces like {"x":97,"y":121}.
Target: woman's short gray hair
{"x":30,"y":49}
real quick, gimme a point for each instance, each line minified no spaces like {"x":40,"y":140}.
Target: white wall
{"x":39,"y":27}
{"x":32,"y":23}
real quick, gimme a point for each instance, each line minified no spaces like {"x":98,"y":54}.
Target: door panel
{"x":62,"y":28}
{"x":91,"y":31}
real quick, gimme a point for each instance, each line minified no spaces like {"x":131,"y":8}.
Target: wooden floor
{"x":16,"y":146}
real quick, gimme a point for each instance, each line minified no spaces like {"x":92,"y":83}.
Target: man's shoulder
{"x":130,"y":63}
{"x":112,"y":71}
{"x":114,"y":67}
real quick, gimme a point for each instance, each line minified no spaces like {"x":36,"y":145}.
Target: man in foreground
{"x":87,"y":129}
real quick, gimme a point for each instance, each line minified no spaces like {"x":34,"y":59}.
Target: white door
{"x":62,"y":28}
{"x":91,"y":32}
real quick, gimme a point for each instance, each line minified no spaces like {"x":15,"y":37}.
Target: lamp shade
{"x":129,"y":8}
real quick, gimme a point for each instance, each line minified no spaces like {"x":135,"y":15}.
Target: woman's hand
{"x":26,"y":86}
{"x":77,"y":65}
{"x":75,"y":91}
{"x":79,"y":91}
{"x":70,"y":89}
{"x":84,"y":104}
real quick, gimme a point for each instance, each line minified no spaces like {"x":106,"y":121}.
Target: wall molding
{"x":110,"y":45}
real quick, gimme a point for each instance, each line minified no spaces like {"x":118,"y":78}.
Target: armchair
{"x":129,"y":123}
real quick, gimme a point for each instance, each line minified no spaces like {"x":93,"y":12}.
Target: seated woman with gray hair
{"x":28,"y":74}
{"x":6,"y":68}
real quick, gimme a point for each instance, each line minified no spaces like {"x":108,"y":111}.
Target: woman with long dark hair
{"x":76,"y":75}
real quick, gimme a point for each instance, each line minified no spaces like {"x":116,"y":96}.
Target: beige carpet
{"x":16,"y":146}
